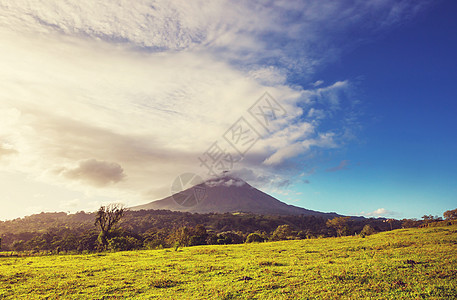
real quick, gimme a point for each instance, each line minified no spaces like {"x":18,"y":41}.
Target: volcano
{"x":226,"y":194}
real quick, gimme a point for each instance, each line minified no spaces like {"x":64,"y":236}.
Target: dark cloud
{"x":6,"y":151}
{"x":95,"y":172}
{"x":342,"y":166}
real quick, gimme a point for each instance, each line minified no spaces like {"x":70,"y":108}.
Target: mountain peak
{"x":227,"y":194}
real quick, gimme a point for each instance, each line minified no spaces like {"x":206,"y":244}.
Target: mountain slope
{"x":228,"y":195}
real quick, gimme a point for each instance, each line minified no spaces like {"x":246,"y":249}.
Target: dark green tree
{"x":199,"y":236}
{"x":282,"y":232}
{"x":367,"y":230}
{"x":19,"y":245}
{"x":180,"y":237}
{"x":106,"y":219}
{"x":124,"y":243}
{"x":254,"y":238}
{"x":340,"y":224}
{"x":228,"y":237}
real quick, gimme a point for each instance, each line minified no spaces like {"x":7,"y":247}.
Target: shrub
{"x":123,"y":243}
{"x":450,"y":214}
{"x":228,"y":237}
{"x":283,"y":232}
{"x":367,"y":230}
{"x":340,"y":224}
{"x":19,"y":245}
{"x":254,"y":237}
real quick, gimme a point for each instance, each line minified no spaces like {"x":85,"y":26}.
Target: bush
{"x":283,"y":232}
{"x":340,"y":224}
{"x":254,"y":238}
{"x":124,"y":243}
{"x":199,"y":236}
{"x":228,"y":237}
{"x":19,"y":245}
{"x":153,"y":244}
{"x":367,"y":230}
{"x":450,"y":214}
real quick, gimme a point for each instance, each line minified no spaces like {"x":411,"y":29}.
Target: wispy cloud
{"x":318,"y":83}
{"x":342,"y":166}
{"x":296,"y":35}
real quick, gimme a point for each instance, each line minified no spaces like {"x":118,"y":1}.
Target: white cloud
{"x":285,"y":153}
{"x":158,"y":24}
{"x":298,"y":35}
{"x":233,"y":182}
{"x":140,"y":111}
{"x":318,"y":83}
{"x":227,"y":182}
{"x":380,"y":212}
{"x":322,"y":140}
{"x":152,"y":114}
{"x":316,"y":114}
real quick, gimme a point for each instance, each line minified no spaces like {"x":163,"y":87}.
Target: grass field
{"x":400,"y":264}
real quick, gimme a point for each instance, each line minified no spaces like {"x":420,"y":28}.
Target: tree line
{"x":115,"y":228}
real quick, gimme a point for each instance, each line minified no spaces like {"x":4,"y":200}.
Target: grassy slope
{"x":406,"y":263}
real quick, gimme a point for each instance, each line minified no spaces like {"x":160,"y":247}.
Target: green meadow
{"x":400,"y":264}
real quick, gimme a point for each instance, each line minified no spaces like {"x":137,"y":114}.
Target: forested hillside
{"x":162,"y":228}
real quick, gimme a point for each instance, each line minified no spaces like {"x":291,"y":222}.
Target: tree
{"x":391,"y":222}
{"x":124,"y":243}
{"x":409,"y":223}
{"x":106,"y":219}
{"x":282,"y":232}
{"x":367,"y":230}
{"x":228,"y":237}
{"x":19,"y":245}
{"x":88,"y":241}
{"x":254,"y":238}
{"x":430,"y":219}
{"x":199,"y":236}
{"x":182,"y":237}
{"x":340,"y":224}
{"x":450,"y":214}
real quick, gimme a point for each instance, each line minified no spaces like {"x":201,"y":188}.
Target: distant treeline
{"x":154,"y":229}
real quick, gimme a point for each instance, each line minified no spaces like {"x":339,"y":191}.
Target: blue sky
{"x":110,"y":101}
{"x":403,"y":159}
